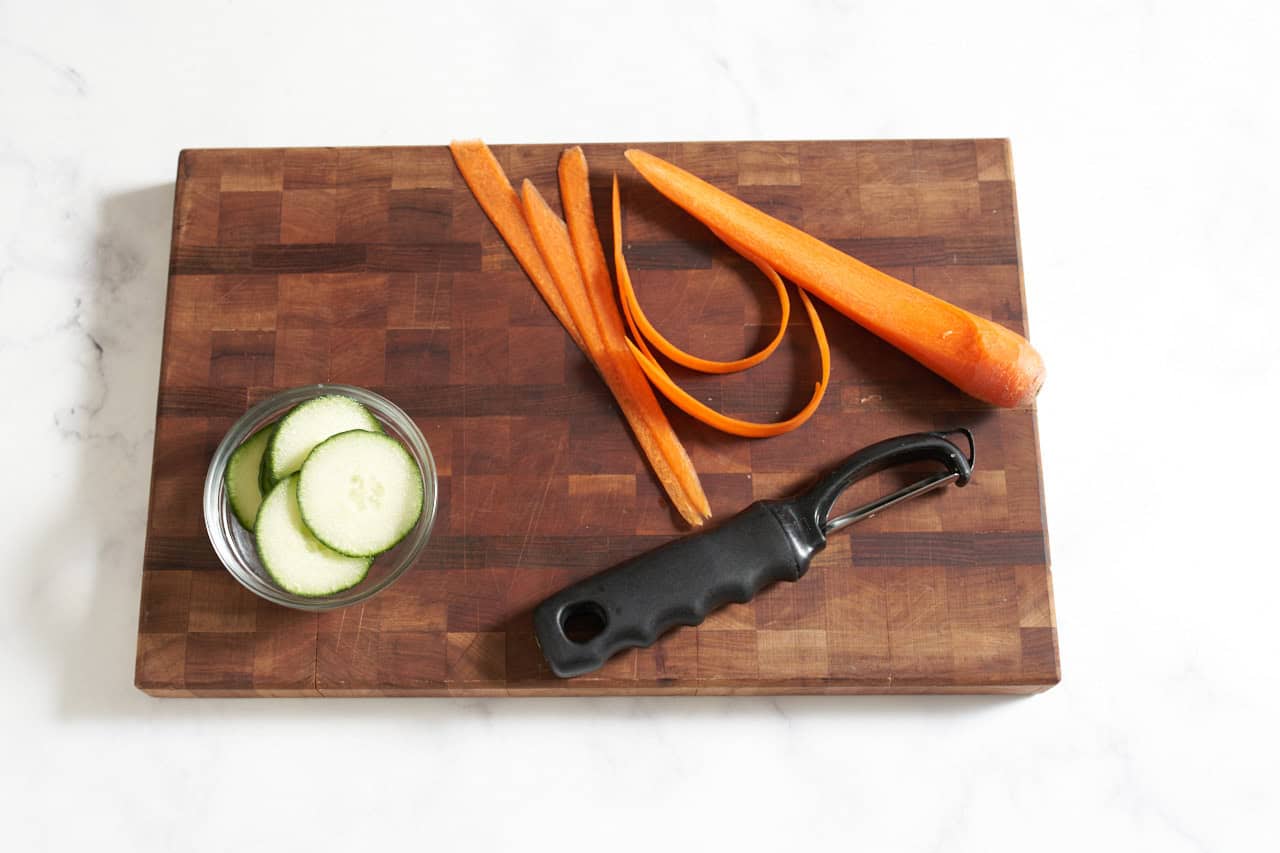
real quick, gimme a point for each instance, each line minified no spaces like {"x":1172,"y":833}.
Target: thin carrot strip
{"x":643,"y":330}
{"x":624,"y":274}
{"x":980,"y":357}
{"x":636,"y":320}
{"x":489,"y":184}
{"x":575,"y":198}
{"x":551,"y":237}
{"x":686,"y":402}
{"x":735,"y":426}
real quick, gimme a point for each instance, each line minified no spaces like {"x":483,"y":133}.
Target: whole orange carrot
{"x":980,"y":357}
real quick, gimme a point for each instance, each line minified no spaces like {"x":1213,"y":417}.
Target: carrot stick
{"x":489,"y":184}
{"x":685,"y":401}
{"x":551,"y":237}
{"x":575,"y":198}
{"x":980,"y":357}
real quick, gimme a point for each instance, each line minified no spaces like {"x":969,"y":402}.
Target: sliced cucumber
{"x":309,"y":424}
{"x":294,"y":558}
{"x":360,"y":492}
{"x":243,"y":489}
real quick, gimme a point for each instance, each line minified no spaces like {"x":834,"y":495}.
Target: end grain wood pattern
{"x":376,"y":267}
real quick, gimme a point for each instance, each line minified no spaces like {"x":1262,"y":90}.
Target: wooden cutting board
{"x":375,"y":267}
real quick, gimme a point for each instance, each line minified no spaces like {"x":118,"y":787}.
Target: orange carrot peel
{"x":647,"y":420}
{"x":982,"y":358}
{"x":645,"y":332}
{"x":681,"y":398}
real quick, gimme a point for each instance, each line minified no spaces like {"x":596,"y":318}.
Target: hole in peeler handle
{"x":583,"y":621}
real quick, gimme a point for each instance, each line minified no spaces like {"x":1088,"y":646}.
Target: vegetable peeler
{"x":682,"y":582}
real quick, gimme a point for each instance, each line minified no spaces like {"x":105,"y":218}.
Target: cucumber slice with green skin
{"x":243,"y":489}
{"x":307,"y":425}
{"x":360,"y":493}
{"x":295,"y":559}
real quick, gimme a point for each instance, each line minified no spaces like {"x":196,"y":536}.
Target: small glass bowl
{"x":235,"y":545}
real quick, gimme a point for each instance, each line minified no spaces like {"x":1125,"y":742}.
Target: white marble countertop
{"x":1145,"y":143}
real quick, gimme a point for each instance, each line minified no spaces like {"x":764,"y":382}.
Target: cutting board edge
{"x":607,"y":691}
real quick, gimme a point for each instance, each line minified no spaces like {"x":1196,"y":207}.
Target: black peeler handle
{"x":682,"y":582}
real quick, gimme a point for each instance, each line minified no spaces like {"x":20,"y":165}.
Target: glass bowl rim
{"x":244,"y":426}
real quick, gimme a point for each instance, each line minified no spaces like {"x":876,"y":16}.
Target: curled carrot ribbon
{"x":645,"y":334}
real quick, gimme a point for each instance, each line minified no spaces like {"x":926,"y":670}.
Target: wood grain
{"x":375,"y":267}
